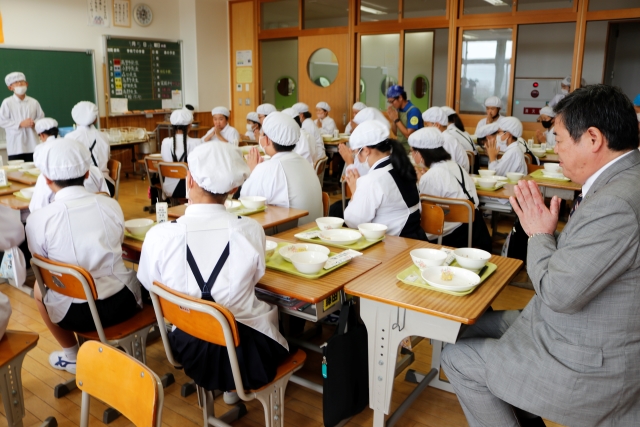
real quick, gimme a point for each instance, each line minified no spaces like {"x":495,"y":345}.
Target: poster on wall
{"x":122,"y":13}
{"x":243,"y":58}
{"x":98,"y":12}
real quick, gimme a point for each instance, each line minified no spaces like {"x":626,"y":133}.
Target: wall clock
{"x":142,"y":14}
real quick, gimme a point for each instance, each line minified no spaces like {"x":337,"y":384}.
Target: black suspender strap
{"x":205,"y":287}
{"x":466,"y":139}
{"x":463,"y":185}
{"x":91,"y":151}
{"x":526,"y":150}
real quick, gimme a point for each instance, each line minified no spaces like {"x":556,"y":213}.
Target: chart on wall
{"x":143,"y":75}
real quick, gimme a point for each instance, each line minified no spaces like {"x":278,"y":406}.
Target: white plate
{"x":340,"y":236}
{"x":556,"y":175}
{"x":289,"y":250}
{"x":463,"y":280}
{"x":498,"y":185}
{"x":232,"y":204}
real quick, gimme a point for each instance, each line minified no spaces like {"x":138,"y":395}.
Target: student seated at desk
{"x":435,"y":117}
{"x":446,"y":178}
{"x":513,"y":158}
{"x":308,"y":126}
{"x":387,"y":194}
{"x":85,"y":114}
{"x":253,"y":124}
{"x":177,"y":148}
{"x":86,"y":230}
{"x":287,"y":179}
{"x":546,"y":136}
{"x":47,"y":130}
{"x":222,"y":131}
{"x":357,"y":107}
{"x":11,"y":235}
{"x":263,"y":111}
{"x":325,"y":123}
{"x":304,"y":147}
{"x":211,"y":254}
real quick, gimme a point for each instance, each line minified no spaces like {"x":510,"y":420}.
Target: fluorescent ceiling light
{"x":367,"y":3}
{"x":372,"y":10}
{"x":496,"y":2}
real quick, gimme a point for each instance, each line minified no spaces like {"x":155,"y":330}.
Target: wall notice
{"x":243,"y":58}
{"x":244,"y":75}
{"x":98,"y":12}
{"x":121,"y":13}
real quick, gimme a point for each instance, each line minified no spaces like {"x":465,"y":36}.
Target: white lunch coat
{"x":557,"y":98}
{"x":289,"y":181}
{"x":229,"y":133}
{"x":348,"y":129}
{"x":87,"y":230}
{"x":327,"y":127}
{"x":207,"y":228}
{"x":378,"y":199}
{"x":11,"y":235}
{"x":305,"y":147}
{"x":316,"y":137}
{"x":12,"y":112}
{"x":463,"y":138}
{"x":551,"y":138}
{"x":512,"y":161}
{"x":101,"y":152}
{"x":458,"y":154}
{"x":443,"y":179}
{"x":166,"y":150}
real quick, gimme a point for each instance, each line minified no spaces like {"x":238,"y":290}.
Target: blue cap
{"x":636,"y":100}
{"x":394,"y":91}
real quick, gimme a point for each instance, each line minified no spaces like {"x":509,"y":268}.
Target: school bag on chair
{"x":345,"y":369}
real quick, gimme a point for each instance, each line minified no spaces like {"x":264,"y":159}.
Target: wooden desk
{"x":13,"y":202}
{"x":392,"y":311}
{"x":23,"y":178}
{"x":331,"y":147}
{"x":269,"y":218}
{"x":169,"y":128}
{"x":550,"y":158}
{"x":12,"y":188}
{"x":129,"y":145}
{"x":503,"y":193}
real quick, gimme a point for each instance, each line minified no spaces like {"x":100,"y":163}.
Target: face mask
{"x":564,"y":91}
{"x":20,"y":90}
{"x":362,"y":167}
{"x":546,"y":124}
{"x":249,"y":128}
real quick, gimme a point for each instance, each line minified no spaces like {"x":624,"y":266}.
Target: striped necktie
{"x":576,"y":203}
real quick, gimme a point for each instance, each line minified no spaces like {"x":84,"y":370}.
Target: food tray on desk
{"x":244,"y":211}
{"x":357,"y":246}
{"x":497,"y":187}
{"x":539,"y":175}
{"x":276,"y":262}
{"x":20,"y":197}
{"x":419,"y":281}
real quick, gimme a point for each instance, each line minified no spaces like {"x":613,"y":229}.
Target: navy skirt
{"x":208,"y":364}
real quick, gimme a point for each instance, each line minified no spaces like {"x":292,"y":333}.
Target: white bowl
{"x":27,"y":165}
{"x":138,"y":227}
{"x":33,"y":171}
{"x":287,"y":251}
{"x":15,"y":162}
{"x":270,"y":248}
{"x":340,"y":236}
{"x":486,"y":173}
{"x":329,"y":223}
{"x":514,"y":176}
{"x":309,"y":262}
{"x":326,"y":137}
{"x":372,"y":231}
{"x":27,"y":192}
{"x":486,"y":183}
{"x":535,"y":146}
{"x":425,"y":257}
{"x":471,"y":258}
{"x":552,"y":167}
{"x":539,"y":152}
{"x":253,"y":202}
{"x":232,"y":204}
{"x":462,"y":280}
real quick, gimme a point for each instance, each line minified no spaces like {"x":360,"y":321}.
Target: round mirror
{"x":286,"y":86}
{"x":419,"y":87}
{"x":386,"y":83}
{"x":323,"y":67}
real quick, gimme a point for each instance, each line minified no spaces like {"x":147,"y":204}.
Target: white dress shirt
{"x":458,"y":154}
{"x":443,"y":180}
{"x":12,"y":112}
{"x":378,"y":199}
{"x":463,"y":138}
{"x":87,"y":230}
{"x":102,"y":150}
{"x":348,"y":129}
{"x":228,"y":132}
{"x":305,"y":147}
{"x":289,"y":181}
{"x":11,"y":235}
{"x":166,"y":150}
{"x":557,"y":98}
{"x":327,"y":127}
{"x":207,"y":228}
{"x":512,"y":161}
{"x":316,"y":137}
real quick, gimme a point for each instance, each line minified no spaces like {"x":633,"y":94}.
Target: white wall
{"x":545,"y":50}
{"x":440,"y":55}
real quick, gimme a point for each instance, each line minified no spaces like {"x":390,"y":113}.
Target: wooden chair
{"x":432,"y":219}
{"x":325,"y":204}
{"x":14,"y":346}
{"x":120,"y":381}
{"x":320,"y":167}
{"x":532,"y":168}
{"x":76,"y":282}
{"x":455,"y":210}
{"x":177,"y":170}
{"x":346,"y":192}
{"x":528,"y":159}
{"x":472,"y":159}
{"x":215,"y":324}
{"x":151,"y":168}
{"x":114,"y":167}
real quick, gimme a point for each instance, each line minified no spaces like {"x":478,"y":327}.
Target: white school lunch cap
{"x":300,"y":107}
{"x":486,"y":130}
{"x":217,"y":167}
{"x":323,"y":105}
{"x":253,"y":116}
{"x":84,"y":113}
{"x":435,"y":115}
{"x":181,"y":117}
{"x":220,"y":110}
{"x":428,"y":138}
{"x":45,"y":124}
{"x":370,"y":113}
{"x":62,"y":159}
{"x":547,"y":111}
{"x":511,"y":125}
{"x":291,"y":112}
{"x":266,"y":109}
{"x":359,"y":106}
{"x":368,"y":133}
{"x":16,"y":76}
{"x":448,"y":110}
{"x":493,"y":101}
{"x":281,"y":129}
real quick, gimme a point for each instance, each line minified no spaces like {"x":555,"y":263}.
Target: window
{"x":473,"y":7}
{"x":326,"y":13}
{"x":279,"y":72}
{"x":612,"y":4}
{"x":418,"y":67}
{"x":524,"y":5}
{"x":378,"y":10}
{"x":279,"y":14}
{"x":423,"y":8}
{"x":379,"y":63}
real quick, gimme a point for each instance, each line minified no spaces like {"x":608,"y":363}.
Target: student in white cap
{"x":514,"y":125}
{"x":456,"y":129}
{"x":513,"y":158}
{"x":263,"y":111}
{"x":43,"y":195}
{"x":83,"y":229}
{"x":357,"y":107}
{"x":176,"y":149}
{"x":492,"y":106}
{"x":217,"y":256}
{"x":287,"y":179}
{"x":565,"y":88}
{"x":435,"y":117}
{"x":446,"y":178}
{"x":325,"y":123}
{"x":11,"y":235}
{"x":222,"y":131}
{"x":305,"y":147}
{"x":18,"y":115}
{"x":546,"y":136}
{"x":253,"y":124}
{"x":311,"y":129}
{"x":85,"y":114}
{"x":487,"y":133}
{"x":387,"y":194}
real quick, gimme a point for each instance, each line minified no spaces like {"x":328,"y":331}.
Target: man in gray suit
{"x":573,"y":354}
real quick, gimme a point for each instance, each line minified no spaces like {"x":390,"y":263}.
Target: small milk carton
{"x":3,"y":178}
{"x":162,"y":212}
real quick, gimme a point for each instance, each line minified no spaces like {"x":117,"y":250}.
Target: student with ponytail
{"x":387,"y":194}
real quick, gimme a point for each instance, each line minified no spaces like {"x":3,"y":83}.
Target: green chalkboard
{"x":144,"y":71}
{"x":57,"y":79}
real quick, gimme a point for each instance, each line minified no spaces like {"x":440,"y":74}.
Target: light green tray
{"x":19,"y":196}
{"x":276,"y":262}
{"x":419,"y":282}
{"x":538,"y":175}
{"x":357,"y":246}
{"x":243,"y":211}
{"x":490,"y":189}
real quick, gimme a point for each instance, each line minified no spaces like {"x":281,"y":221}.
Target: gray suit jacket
{"x":573,"y":356}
